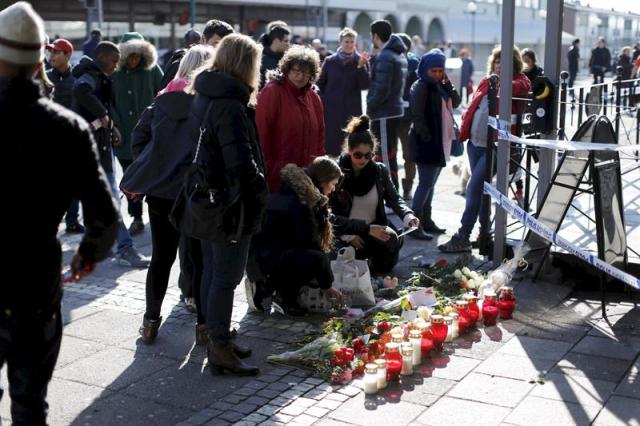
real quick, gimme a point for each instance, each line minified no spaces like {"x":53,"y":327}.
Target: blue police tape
{"x":548,"y":234}
{"x":504,"y":134}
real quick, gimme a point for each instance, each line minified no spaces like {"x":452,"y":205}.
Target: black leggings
{"x":382,"y":256}
{"x":165,"y":239}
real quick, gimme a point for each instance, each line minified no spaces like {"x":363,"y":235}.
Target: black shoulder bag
{"x":203,"y":211}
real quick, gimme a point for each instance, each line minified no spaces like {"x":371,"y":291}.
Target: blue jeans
{"x":475,"y":189}
{"x":428,"y":176}
{"x":223,"y":268}
{"x":124,"y":239}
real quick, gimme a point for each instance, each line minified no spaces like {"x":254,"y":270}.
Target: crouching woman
{"x":292,"y":249}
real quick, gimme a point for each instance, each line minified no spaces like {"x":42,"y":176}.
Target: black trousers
{"x":392,"y":146}
{"x":382,"y":256}
{"x":165,"y":239}
{"x":134,"y":207}
{"x":293,"y":269}
{"x":190,"y":278}
{"x":29,"y":345}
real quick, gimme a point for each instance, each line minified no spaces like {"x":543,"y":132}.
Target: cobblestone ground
{"x":557,"y":362}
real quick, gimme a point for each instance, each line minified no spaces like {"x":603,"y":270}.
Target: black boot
{"x":202,"y":338}
{"x":429,"y":225}
{"x":222,"y":359}
{"x":149,"y":329}
{"x":407,"y":185}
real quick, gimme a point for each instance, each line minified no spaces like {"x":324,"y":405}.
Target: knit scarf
{"x":360,"y":185}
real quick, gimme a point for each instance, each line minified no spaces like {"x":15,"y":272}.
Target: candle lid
{"x":437,"y":319}
{"x":448,"y":319}
{"x":471,"y":297}
{"x":407,"y":349}
{"x":454,"y":315}
{"x":392,"y":347}
{"x":489,"y":294}
{"x":415,"y":334}
{"x":381,"y":363}
{"x":506,"y":289}
{"x":462,"y":304}
{"x":397,"y":337}
{"x":423,"y":326}
{"x":371,"y":368}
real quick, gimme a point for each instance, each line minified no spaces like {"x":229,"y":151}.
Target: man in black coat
{"x":92,"y":96}
{"x":386,"y":88}
{"x":600,"y":61}
{"x":191,"y":37}
{"x":573,"y":56}
{"x":57,"y":161}
{"x":275,"y":42}
{"x":62,"y":79}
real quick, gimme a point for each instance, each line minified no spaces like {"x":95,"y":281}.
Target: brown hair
{"x":323,"y":170}
{"x":495,"y":55}
{"x":358,"y":133}
{"x":305,"y":58}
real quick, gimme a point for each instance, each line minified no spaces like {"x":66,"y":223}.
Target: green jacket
{"x":134,"y":90}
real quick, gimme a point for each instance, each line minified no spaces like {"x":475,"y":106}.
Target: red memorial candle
{"x":489,"y":315}
{"x":464,"y":320}
{"x":507,"y":303}
{"x":474,"y":310}
{"x":438,"y":330}
{"x":394,"y":360}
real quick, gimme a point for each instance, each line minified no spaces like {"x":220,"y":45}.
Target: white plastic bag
{"x":352,"y":277}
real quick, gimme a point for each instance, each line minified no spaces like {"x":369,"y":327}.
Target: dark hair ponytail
{"x":358,"y":132}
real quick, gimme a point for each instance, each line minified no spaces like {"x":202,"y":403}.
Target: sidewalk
{"x":557,"y":362}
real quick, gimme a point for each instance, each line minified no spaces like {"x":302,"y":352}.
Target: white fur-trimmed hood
{"x":141,"y":47}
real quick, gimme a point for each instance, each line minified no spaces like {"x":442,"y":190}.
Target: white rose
{"x":475,"y":275}
{"x":466,"y":271}
{"x":457,"y":274}
{"x":471,"y":283}
{"x":423,"y":313}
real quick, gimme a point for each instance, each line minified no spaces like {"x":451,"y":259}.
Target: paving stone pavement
{"x":557,"y":362}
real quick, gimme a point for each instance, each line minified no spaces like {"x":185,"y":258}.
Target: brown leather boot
{"x":222,"y":359}
{"x":202,"y":337}
{"x":149,"y":329}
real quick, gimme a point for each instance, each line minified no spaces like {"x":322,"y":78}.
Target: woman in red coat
{"x":289,"y":114}
{"x":474,"y":129}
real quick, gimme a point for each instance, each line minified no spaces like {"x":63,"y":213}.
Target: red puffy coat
{"x":291,"y":127}
{"x":520,"y":87}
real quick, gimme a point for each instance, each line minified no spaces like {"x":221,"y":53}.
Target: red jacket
{"x":291,"y":127}
{"x":520,"y":87}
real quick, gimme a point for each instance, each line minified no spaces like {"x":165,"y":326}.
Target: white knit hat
{"x":21,"y":35}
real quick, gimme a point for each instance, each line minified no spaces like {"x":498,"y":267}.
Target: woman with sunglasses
{"x":361,"y":196}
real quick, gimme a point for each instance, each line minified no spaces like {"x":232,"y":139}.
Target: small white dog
{"x":461,"y":168}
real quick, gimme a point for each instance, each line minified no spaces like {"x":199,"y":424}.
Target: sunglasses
{"x":360,"y":155}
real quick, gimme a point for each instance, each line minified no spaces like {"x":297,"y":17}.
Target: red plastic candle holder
{"x":438,"y":330}
{"x":474,"y":310}
{"x":507,"y":303}
{"x":394,"y":360}
{"x":489,"y":315}
{"x":426,"y":346}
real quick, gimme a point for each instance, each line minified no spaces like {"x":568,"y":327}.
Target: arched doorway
{"x":362,"y":25}
{"x":395,"y":26}
{"x":414,"y":27}
{"x":435,"y":33}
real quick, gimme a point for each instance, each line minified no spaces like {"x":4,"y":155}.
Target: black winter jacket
{"x":171,"y":69}
{"x":163,"y":146}
{"x":425,"y":135}
{"x":270,"y":59}
{"x":58,"y":163}
{"x":600,"y":60}
{"x":341,"y":200}
{"x":388,"y":75}
{"x":63,"y":83}
{"x":232,"y":149}
{"x":92,"y":99}
{"x":297,"y":217}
